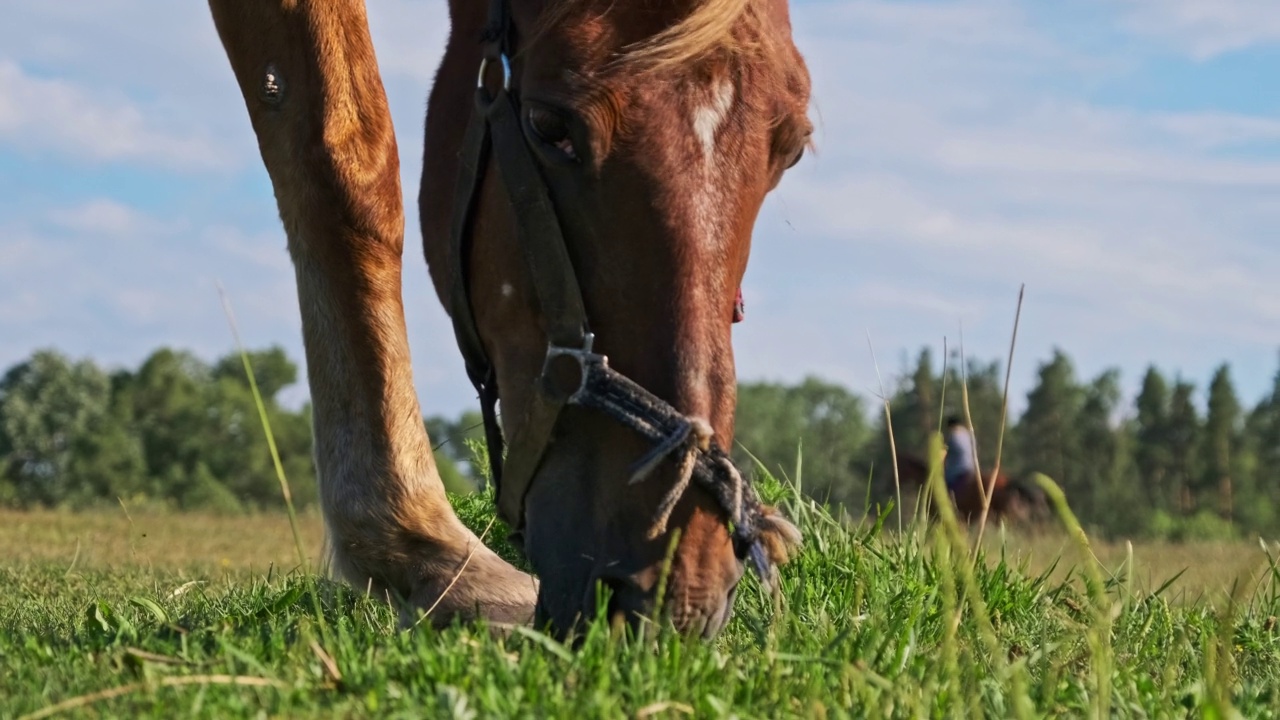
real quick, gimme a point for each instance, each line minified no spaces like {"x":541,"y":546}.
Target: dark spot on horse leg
{"x":271,"y":91}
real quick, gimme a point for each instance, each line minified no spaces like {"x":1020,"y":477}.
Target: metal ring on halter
{"x":585,"y":357}
{"x":506,"y":72}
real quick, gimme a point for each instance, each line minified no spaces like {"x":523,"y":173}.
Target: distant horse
{"x":592,"y":174}
{"x":1013,"y":501}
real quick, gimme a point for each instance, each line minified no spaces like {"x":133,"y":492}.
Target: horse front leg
{"x":310,"y":82}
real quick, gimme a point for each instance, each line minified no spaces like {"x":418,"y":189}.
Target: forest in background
{"x":1175,"y":462}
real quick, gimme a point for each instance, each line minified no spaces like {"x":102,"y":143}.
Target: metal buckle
{"x":585,"y":357}
{"x":506,"y":72}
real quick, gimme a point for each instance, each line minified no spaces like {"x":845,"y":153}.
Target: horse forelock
{"x":732,"y":27}
{"x":711,"y":26}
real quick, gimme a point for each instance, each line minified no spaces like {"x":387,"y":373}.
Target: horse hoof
{"x":479,"y":585}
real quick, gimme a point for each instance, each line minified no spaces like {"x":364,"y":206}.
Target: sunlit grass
{"x":169,"y":541}
{"x":870,"y":624}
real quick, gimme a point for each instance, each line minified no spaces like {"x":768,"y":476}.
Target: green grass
{"x":869,"y":624}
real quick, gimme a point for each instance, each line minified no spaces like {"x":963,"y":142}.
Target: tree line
{"x":1171,"y":463}
{"x":183,"y":433}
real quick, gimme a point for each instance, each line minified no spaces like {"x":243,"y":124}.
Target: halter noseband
{"x":495,"y":129}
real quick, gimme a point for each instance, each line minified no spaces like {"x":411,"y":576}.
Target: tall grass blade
{"x":275,"y":459}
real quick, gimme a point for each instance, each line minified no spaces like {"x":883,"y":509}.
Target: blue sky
{"x":1120,"y":157}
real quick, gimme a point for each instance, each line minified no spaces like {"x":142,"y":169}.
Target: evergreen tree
{"x":1183,"y":435}
{"x":1049,"y":431}
{"x":1152,"y":452}
{"x":1222,"y":429}
{"x":914,"y":407}
{"x":1262,"y":432}
{"x":1106,"y":495}
{"x":920,"y":407}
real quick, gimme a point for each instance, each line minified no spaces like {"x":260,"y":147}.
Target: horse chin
{"x":625,"y":604}
{"x":591,"y":562}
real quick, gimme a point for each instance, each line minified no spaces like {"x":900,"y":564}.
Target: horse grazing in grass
{"x":592,"y":174}
{"x":1013,"y":501}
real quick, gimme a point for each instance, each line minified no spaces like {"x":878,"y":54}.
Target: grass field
{"x":130,"y":614}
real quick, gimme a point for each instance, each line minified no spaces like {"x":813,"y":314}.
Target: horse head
{"x":596,"y":226}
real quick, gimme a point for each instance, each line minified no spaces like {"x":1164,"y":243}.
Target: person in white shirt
{"x":960,"y":465}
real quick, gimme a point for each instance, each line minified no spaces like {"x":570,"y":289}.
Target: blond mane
{"x":710,"y":27}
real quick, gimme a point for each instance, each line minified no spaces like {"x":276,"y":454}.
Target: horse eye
{"x":796,"y":160}
{"x":552,"y":129}
{"x":801,"y":143}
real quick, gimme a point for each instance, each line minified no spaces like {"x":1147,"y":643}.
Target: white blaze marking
{"x":707,"y":201}
{"x":708,"y":118}
{"x":507,"y":290}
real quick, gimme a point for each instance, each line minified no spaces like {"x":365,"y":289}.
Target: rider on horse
{"x":959,"y":467}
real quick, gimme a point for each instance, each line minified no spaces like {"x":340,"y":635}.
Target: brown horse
{"x":586,"y":216}
{"x":1012,"y":501}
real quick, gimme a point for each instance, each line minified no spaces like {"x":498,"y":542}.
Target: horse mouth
{"x":630,"y":605}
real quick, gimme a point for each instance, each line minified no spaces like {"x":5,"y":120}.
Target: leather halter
{"x":495,"y":131}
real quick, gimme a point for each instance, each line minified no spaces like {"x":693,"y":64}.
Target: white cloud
{"x":167,"y":50}
{"x":264,"y":249}
{"x":911,"y":295}
{"x":952,"y":170}
{"x":1217,"y":130}
{"x":110,"y":219}
{"x":56,"y":114}
{"x":1206,"y":28}
{"x":111,"y":281}
{"x":1076,"y":139}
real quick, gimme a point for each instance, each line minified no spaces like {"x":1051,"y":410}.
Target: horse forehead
{"x":711,"y":107}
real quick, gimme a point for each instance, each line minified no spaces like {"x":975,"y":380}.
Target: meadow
{"x":138,"y":609}
{"x":132,"y":613}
